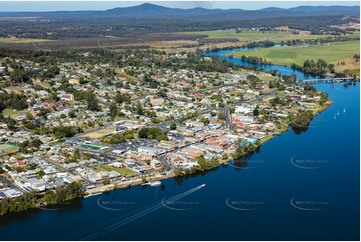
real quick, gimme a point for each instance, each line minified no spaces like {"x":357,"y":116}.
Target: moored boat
{"x":92,"y":194}
{"x":155,"y":183}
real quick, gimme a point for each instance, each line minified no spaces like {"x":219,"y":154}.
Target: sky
{"x":39,"y":6}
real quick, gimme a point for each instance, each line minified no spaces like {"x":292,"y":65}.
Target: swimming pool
{"x":93,"y":147}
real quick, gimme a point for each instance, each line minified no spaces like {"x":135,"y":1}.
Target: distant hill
{"x":326,"y":8}
{"x":150,"y":22}
{"x":329,"y":10}
{"x":148,"y":10}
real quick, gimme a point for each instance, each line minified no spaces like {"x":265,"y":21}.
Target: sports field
{"x":293,"y":54}
{"x":5,"y":149}
{"x":97,"y":134}
{"x":10,"y":112}
{"x":122,"y":170}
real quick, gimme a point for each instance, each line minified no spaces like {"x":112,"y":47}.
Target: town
{"x":109,"y":126}
{"x":179,"y":120}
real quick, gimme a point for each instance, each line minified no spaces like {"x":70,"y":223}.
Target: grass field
{"x":263,"y":77}
{"x":9,"y":112}
{"x":297,"y":37}
{"x":350,"y":64}
{"x":123,"y":170}
{"x":97,"y":134}
{"x":355,"y":72}
{"x":4,"y":148}
{"x":275,"y":36}
{"x":294,"y":54}
{"x":243,"y":36}
{"x":21,"y":40}
{"x":356,"y":34}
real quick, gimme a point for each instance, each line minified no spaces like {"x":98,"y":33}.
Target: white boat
{"x":154,"y":183}
{"x":92,"y":194}
{"x":127,"y":183}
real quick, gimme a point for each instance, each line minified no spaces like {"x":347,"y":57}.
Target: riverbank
{"x":341,"y":74}
{"x":284,"y":127}
{"x":333,"y":53}
{"x":286,"y":55}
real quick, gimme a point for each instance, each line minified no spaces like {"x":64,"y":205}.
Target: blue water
{"x":253,"y":203}
{"x":93,"y":147}
{"x":284,"y":70}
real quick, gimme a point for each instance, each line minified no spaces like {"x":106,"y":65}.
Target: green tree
{"x":11,"y":126}
{"x":324,"y":97}
{"x":139,"y":109}
{"x":205,"y":121}
{"x":40,"y":174}
{"x":302,"y":120}
{"x":256,"y":111}
{"x":36,"y":143}
{"x":162,"y":137}
{"x":29,"y":116}
{"x":72,"y":114}
{"x":119,"y":98}
{"x":93,"y":104}
{"x":113,"y":110}
{"x":90,"y":98}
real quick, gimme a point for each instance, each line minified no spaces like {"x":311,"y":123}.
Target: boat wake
{"x":140,"y":214}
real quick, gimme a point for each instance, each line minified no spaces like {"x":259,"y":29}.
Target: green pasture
{"x":287,"y":55}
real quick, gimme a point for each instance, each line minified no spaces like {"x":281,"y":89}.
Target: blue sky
{"x":103,"y":5}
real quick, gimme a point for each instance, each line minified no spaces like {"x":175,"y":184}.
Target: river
{"x":295,"y":187}
{"x":284,"y":70}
